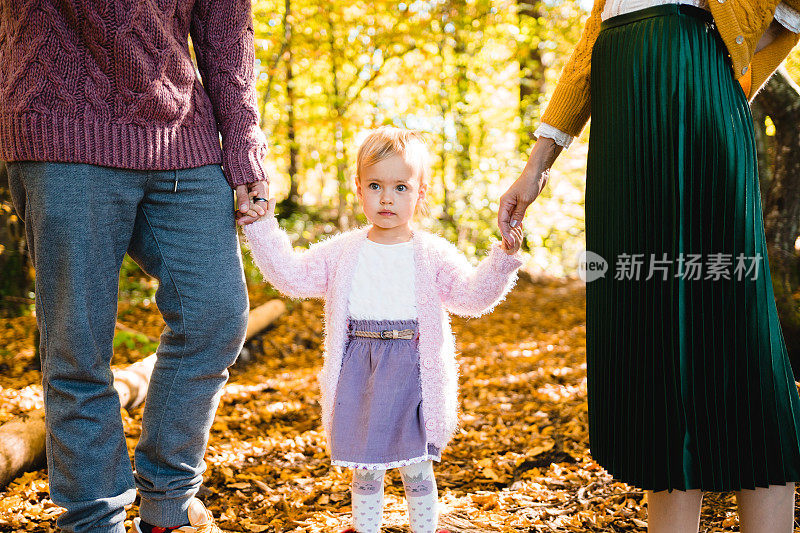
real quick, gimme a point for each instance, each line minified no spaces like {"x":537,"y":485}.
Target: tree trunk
{"x":461,"y":108}
{"x":339,"y":107}
{"x":780,"y":100}
{"x":531,"y":72}
{"x":447,"y":218}
{"x":765,"y":145}
{"x":293,"y":200}
{"x":22,"y":445}
{"x":294,"y":195}
{"x":344,"y":211}
{"x":16,"y":281}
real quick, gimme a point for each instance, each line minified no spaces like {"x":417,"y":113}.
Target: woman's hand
{"x":528,"y":186}
{"x":511,"y":246}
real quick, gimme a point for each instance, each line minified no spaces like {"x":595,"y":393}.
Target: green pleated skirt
{"x":689,"y":382}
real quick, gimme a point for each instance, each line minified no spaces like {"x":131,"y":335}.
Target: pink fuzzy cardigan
{"x":444,"y":279}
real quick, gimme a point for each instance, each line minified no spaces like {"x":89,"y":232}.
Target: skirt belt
{"x":385,"y":334}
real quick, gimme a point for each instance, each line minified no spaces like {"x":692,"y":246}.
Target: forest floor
{"x":519,"y":463}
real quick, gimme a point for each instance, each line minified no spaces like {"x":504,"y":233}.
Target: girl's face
{"x":389,"y":191}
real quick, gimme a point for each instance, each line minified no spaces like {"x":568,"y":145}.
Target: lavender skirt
{"x":377,"y":416}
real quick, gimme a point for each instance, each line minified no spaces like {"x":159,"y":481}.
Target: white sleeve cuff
{"x":788,"y":17}
{"x":551,"y":132}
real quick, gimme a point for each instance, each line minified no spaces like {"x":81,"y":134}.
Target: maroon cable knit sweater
{"x":112,"y":83}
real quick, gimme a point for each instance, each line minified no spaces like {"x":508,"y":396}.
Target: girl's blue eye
{"x":401,"y":188}
{"x":374,"y":186}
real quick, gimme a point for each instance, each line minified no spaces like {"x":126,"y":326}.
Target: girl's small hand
{"x":247,"y":212}
{"x":269,"y":207}
{"x":258,"y":210}
{"x":511,"y":247}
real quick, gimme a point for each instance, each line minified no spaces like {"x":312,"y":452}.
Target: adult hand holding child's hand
{"x":250,"y":210}
{"x":528,"y":186}
{"x":512,"y":244}
{"x":258,"y":208}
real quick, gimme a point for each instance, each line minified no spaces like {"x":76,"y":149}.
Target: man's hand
{"x":244,"y":195}
{"x":268,"y":207}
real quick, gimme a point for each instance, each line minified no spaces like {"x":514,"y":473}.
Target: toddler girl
{"x":389,"y":378}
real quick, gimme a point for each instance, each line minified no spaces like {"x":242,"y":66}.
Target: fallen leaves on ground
{"x":519,"y":462}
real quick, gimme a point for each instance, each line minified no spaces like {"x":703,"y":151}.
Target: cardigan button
{"x":739,"y":39}
{"x":744,"y":70}
{"x":721,"y":1}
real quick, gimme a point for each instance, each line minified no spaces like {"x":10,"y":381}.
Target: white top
{"x":784,"y":15}
{"x":383,"y":282}
{"x":618,"y":7}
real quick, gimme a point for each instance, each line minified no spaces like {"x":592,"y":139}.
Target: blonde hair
{"x":388,"y":141}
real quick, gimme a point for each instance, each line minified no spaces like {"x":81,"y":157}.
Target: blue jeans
{"x":178,"y":225}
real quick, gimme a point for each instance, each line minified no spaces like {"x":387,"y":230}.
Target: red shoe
{"x":350,"y":530}
{"x":443,"y":531}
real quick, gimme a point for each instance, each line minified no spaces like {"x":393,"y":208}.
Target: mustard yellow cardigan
{"x":741,"y":24}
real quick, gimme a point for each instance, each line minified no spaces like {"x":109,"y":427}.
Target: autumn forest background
{"x":475,"y":75}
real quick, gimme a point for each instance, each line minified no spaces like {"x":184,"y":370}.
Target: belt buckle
{"x":386,"y":334}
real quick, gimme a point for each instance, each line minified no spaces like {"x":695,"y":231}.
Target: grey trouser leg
{"x":191,"y":247}
{"x":80,"y":220}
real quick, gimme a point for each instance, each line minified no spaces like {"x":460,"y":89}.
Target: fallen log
{"x":22,"y":438}
{"x":132,"y":381}
{"x":262,"y":316}
{"x":21,"y":445}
